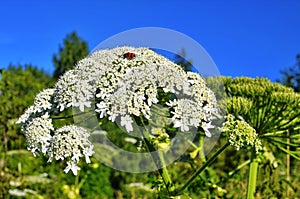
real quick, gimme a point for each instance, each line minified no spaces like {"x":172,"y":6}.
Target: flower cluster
{"x":120,"y":88}
{"x":38,"y":134}
{"x":71,"y":142}
{"x":130,"y":87}
{"x":241,"y":134}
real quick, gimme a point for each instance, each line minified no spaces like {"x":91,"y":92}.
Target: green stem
{"x":201,"y":152}
{"x":165,"y":175}
{"x":188,"y":140}
{"x":163,"y":172}
{"x":238,"y":168}
{"x":231,"y":173}
{"x":77,"y":179}
{"x":206,"y":164}
{"x":252,"y":176}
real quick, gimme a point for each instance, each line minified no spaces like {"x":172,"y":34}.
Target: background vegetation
{"x":22,"y":175}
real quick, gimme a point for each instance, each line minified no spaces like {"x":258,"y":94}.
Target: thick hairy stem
{"x":252,"y":176}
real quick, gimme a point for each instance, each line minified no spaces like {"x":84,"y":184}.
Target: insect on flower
{"x":129,"y":55}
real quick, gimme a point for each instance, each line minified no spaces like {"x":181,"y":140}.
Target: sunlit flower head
{"x":119,"y":84}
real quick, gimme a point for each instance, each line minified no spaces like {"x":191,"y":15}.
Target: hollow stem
{"x":252,"y":175}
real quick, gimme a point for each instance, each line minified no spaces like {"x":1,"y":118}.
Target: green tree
{"x":18,"y":86}
{"x":291,"y":75}
{"x":73,"y":50}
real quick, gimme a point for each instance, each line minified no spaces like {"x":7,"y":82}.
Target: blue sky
{"x":244,"y":38}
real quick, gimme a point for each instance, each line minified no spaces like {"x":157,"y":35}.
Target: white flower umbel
{"x":121,"y":89}
{"x":38,"y":134}
{"x":42,"y":103}
{"x":42,"y":100}
{"x":71,"y":143}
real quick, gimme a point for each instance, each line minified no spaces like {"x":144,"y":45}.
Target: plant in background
{"x":241,"y":134}
{"x":272,"y":113}
{"x":72,"y":50}
{"x":145,"y":94}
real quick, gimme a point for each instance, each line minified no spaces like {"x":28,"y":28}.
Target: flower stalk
{"x":201,"y":152}
{"x":163,"y":172}
{"x":202,"y":168}
{"x":165,"y":175}
{"x":252,"y":175}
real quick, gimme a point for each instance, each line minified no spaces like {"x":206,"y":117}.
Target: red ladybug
{"x":129,"y":55}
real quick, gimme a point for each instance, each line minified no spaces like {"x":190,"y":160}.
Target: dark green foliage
{"x":96,"y":181}
{"x":18,"y":87}
{"x":291,"y":75}
{"x":73,"y":50}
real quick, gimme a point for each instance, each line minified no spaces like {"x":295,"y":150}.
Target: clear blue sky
{"x":244,"y":38}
